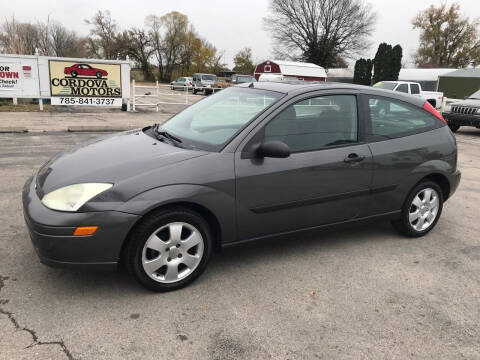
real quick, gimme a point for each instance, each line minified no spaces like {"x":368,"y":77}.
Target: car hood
{"x":467,"y":102}
{"x":110,"y":159}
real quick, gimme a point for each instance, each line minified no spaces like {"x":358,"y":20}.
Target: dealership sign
{"x":85,"y":83}
{"x":10,"y":76}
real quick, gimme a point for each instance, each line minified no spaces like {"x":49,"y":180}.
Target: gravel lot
{"x":354,"y":293}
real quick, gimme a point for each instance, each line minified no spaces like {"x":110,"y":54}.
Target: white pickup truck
{"x":413,"y":88}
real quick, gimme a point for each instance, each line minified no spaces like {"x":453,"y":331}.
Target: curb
{"x":13,"y":130}
{"x":86,"y":128}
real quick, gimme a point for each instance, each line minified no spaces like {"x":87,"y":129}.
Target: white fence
{"x":163,"y":94}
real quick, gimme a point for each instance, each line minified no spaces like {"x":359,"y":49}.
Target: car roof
{"x":296,"y":87}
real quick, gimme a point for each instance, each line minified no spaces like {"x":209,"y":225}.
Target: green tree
{"x":243,"y":62}
{"x":363,"y":72}
{"x":387,"y":63}
{"x":447,"y":38}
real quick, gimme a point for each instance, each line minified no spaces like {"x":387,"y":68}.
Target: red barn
{"x":298,"y":70}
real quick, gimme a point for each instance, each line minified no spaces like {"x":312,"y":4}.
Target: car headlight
{"x":72,"y":197}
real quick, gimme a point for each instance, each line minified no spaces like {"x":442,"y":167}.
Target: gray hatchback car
{"x":250,"y":162}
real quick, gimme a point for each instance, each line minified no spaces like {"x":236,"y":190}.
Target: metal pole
{"x":156,"y":94}
{"x":40,"y":100}
{"x":133,"y":93}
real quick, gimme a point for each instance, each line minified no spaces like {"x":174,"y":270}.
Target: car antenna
{"x":251,"y":85}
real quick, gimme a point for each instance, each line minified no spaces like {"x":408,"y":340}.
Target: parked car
{"x":413,"y":88}
{"x":242,"y":79}
{"x":84,"y":70}
{"x":464,"y":113}
{"x":203,"y":83}
{"x":182,"y":83}
{"x":247,"y":163}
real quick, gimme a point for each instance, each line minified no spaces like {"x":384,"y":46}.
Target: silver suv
{"x":203,"y":82}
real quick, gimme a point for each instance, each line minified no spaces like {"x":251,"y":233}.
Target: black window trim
{"x":372,"y":138}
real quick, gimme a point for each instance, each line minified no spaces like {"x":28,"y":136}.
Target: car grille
{"x":464,"y":110}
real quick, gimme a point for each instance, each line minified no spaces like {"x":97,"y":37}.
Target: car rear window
{"x":391,"y":119}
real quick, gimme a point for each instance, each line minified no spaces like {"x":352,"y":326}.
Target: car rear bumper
{"x":51,"y":233}
{"x":462,"y":120}
{"x":454,"y":181}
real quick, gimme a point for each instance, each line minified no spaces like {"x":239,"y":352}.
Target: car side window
{"x":414,"y":89}
{"x":391,"y":118}
{"x":316,"y":123}
{"x":402,"y":88}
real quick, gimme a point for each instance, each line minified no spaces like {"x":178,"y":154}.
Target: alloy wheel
{"x":424,"y":209}
{"x":172,"y":252}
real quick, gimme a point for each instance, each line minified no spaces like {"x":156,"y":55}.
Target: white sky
{"x":229,"y":24}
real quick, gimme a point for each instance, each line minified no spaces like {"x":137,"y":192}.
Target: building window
{"x":268,"y":68}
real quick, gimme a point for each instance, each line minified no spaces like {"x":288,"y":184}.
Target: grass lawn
{"x":9,"y":107}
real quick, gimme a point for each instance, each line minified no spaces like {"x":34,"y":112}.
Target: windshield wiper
{"x":165,"y":134}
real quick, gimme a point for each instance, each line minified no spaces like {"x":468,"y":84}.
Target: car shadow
{"x":305,"y":242}
{"x":120,"y":283}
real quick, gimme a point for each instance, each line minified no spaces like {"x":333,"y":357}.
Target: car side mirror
{"x":273,"y":149}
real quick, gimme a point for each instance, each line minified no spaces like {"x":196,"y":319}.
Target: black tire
{"x":98,"y":75}
{"x":402,"y":225}
{"x":194,"y":91}
{"x":74,"y":73}
{"x":454,"y":127}
{"x":140,"y":234}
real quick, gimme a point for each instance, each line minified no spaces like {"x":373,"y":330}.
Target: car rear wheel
{"x":98,"y":75}
{"x":74,"y":73}
{"x":421,"y":210}
{"x":454,"y":127}
{"x":169,"y":249}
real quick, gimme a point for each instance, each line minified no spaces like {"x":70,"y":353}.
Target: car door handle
{"x":354,"y":158}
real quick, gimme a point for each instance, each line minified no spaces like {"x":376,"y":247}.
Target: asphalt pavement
{"x":362,"y":292}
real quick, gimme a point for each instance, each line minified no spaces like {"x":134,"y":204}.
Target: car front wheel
{"x":421,"y":210}
{"x":169,"y":249}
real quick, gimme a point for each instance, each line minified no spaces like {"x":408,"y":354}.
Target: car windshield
{"x":245,"y":79}
{"x":209,"y":77}
{"x":475,"y":95}
{"x":385,"y":85}
{"x":211,"y":122}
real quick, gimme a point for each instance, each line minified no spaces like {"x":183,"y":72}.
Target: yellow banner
{"x":85,"y":79}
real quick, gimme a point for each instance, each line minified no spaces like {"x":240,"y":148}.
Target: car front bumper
{"x":51,"y":233}
{"x":462,"y":120}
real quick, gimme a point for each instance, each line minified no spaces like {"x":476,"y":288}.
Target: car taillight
{"x":428,"y":107}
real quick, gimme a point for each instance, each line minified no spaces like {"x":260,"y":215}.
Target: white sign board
{"x":10,"y":76}
{"x":66,"y":81}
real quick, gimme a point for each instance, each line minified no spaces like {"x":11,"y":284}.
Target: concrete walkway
{"x":11,"y":122}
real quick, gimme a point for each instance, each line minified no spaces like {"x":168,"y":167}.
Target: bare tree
{"x":65,"y":43}
{"x":103,"y":35}
{"x":19,"y":38}
{"x":320,"y":31}
{"x":136,"y":43}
